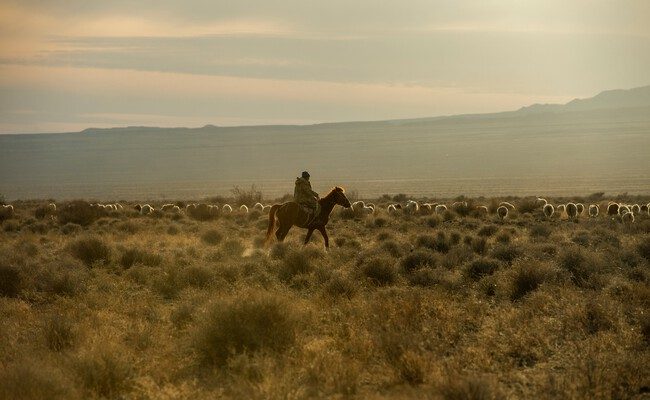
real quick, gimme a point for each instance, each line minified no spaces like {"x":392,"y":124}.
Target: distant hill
{"x":592,"y":145}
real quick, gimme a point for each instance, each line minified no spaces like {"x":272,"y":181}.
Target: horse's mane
{"x":334,"y":190}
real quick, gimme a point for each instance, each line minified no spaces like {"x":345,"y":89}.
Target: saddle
{"x":310,"y":213}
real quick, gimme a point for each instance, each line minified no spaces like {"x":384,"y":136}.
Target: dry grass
{"x":452,"y":306}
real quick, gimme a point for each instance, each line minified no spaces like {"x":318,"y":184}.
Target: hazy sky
{"x":69,"y":64}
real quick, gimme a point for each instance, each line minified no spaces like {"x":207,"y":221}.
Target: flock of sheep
{"x":573,"y":211}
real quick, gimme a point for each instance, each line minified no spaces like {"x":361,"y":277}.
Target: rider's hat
{"x":305,"y":174}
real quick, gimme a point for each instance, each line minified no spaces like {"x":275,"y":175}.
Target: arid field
{"x":455,"y":305}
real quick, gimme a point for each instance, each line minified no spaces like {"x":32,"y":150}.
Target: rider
{"x":304,"y":195}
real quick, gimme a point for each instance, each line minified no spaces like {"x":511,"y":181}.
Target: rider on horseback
{"x":305,"y":196}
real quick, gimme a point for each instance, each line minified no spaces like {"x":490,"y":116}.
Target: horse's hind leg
{"x":309,"y":232}
{"x":282,"y":231}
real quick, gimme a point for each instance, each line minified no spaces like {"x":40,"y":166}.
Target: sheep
{"x":51,"y":208}
{"x":572,"y":210}
{"x":502,"y":212}
{"x":548,"y":210}
{"x":146,"y":209}
{"x":367,"y":210}
{"x":440,"y":208}
{"x":243,"y":208}
{"x":594,"y":210}
{"x":426,"y":208}
{"x":258,"y":206}
{"x":644,"y":208}
{"x":266,"y":209}
{"x":612,"y":209}
{"x":506,"y":204}
{"x":627,"y":217}
{"x":561,"y":208}
{"x":167,"y":207}
{"x":541,"y":202}
{"x":622,"y":209}
{"x":391,"y":208}
{"x":636,"y":209}
{"x":483,"y":210}
{"x":398,"y":206}
{"x":213,"y":210}
{"x":137,"y":207}
{"x":226,"y":208}
{"x":119,"y":207}
{"x":358,"y":205}
{"x":176,"y":209}
{"x":371,"y":205}
{"x":412,"y":207}
{"x":6,"y":211}
{"x":457,"y":204}
{"x":580,"y":207}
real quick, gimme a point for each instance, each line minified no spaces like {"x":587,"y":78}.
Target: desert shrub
{"x":470,"y":388}
{"x":340,"y":286}
{"x":527,"y":206}
{"x":418,"y":259}
{"x":581,"y":238}
{"x":33,"y":380}
{"x":433,"y":221}
{"x":257,"y":321}
{"x":596,"y":318}
{"x":104,"y":372}
{"x":479,"y":245}
{"x":135,"y":255}
{"x":645,"y":328}
{"x":212,"y":237}
{"x":528,"y":277}
{"x":198,"y":276}
{"x":232,"y":247}
{"x":91,"y":250}
{"x":384,"y":235}
{"x":605,"y":236}
{"x":506,"y":253}
{"x":40,"y":212}
{"x":412,"y":367}
{"x":380,"y":270}
{"x":173,"y":230}
{"x":244,"y":196}
{"x":279,"y":250}
{"x":10,"y":226}
{"x":480,"y":268}
{"x":464,"y":209}
{"x":182,"y":315}
{"x":392,"y":247}
{"x":503,"y":238}
{"x":295,"y":263}
{"x":643,"y":248}
{"x":11,"y":281}
{"x":380,"y":222}
{"x":77,"y":212}
{"x":487,"y":230}
{"x":580,"y":265}
{"x":540,"y":231}
{"x":59,"y":333}
{"x":424,"y":277}
{"x":70,"y":228}
{"x":438,"y":242}
{"x":62,"y":280}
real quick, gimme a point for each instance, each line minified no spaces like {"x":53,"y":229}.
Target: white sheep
{"x":368,"y":210}
{"x":612,"y":209}
{"x":6,"y":211}
{"x":226,"y":208}
{"x":571,"y":210}
{"x":258,"y":206}
{"x":561,"y":208}
{"x":167,"y":207}
{"x":391,"y":208}
{"x":636,"y":209}
{"x":358,"y":205}
{"x":243,"y":208}
{"x":483,"y":210}
{"x":622,"y":209}
{"x":506,"y":204}
{"x":146,"y":209}
{"x":176,"y":209}
{"x":267,"y":209}
{"x":457,"y":204}
{"x":51,"y":208}
{"x":412,"y":207}
{"x":213,"y":210}
{"x":502,"y":212}
{"x":119,"y":206}
{"x":594,"y":210}
{"x":426,"y":208}
{"x":580,"y":207}
{"x":627,"y":217}
{"x":440,"y":208}
{"x":548,"y":210}
{"x":541,"y":202}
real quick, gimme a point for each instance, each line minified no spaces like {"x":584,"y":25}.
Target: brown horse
{"x":291,"y":213}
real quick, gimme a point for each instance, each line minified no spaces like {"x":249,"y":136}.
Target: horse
{"x":292,"y":213}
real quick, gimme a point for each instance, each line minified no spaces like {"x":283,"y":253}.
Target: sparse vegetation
{"x":120,"y":305}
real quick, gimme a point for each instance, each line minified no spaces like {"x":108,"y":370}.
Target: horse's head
{"x":338,"y":195}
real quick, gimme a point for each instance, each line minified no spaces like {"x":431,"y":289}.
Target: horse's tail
{"x":269,"y":231}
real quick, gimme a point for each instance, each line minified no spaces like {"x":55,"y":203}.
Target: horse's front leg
{"x":327,"y":239}
{"x":309,"y":232}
